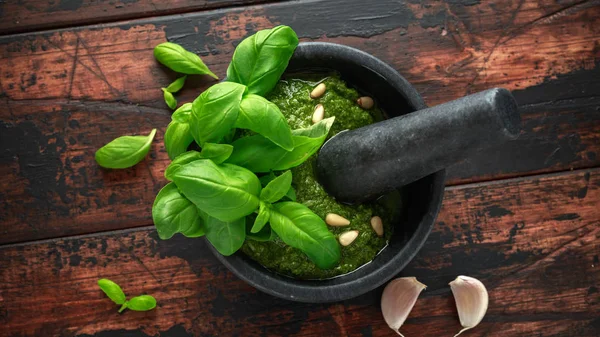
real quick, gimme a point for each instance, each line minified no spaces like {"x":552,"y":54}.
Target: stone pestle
{"x":362,"y":164}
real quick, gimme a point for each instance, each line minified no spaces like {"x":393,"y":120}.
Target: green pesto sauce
{"x":292,"y":98}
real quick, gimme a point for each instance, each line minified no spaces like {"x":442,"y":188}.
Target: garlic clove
{"x":398,"y":299}
{"x":471,"y":301}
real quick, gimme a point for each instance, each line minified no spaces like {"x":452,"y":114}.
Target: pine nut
{"x":318,"y":91}
{"x":318,"y":114}
{"x":348,"y":237}
{"x":365,"y":102}
{"x":377,"y":225}
{"x":333,"y":219}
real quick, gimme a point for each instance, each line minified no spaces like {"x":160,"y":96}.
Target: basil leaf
{"x":112,"y":290}
{"x":124,"y":151}
{"x":265,"y":234}
{"x":226,"y":192}
{"x":180,"y":60}
{"x":183,"y":113}
{"x":176,"y":85}
{"x":174,"y":213}
{"x":215,"y":111}
{"x":169,"y":99}
{"x":179,"y":161}
{"x":300,"y":228}
{"x":277,"y":188}
{"x":260,"y":59}
{"x":216,"y":152}
{"x":259,"y":154}
{"x":291,"y":194}
{"x":263,"y":217}
{"x":141,"y":303}
{"x":177,"y":138}
{"x":261,"y":116}
{"x":226,"y":236}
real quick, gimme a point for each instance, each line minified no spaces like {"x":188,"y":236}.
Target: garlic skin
{"x":471,"y":301}
{"x":398,"y":299}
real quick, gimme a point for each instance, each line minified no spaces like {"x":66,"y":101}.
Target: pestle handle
{"x":362,"y":164}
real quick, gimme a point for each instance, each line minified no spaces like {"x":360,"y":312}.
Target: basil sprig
{"x":214,"y":192}
{"x":116,"y":294}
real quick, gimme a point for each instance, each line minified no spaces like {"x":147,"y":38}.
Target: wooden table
{"x":74,"y":74}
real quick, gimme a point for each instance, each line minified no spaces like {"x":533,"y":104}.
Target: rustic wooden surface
{"x":524,"y":218}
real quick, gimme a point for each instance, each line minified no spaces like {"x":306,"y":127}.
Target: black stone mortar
{"x":445,"y":134}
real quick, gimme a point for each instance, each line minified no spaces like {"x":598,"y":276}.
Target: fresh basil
{"x":169,"y":98}
{"x":215,"y":111}
{"x":142,"y":303}
{"x":218,"y":153}
{"x":124,"y":151}
{"x":276,"y":188}
{"x":112,"y":290}
{"x":179,"y":161}
{"x":183,"y":113}
{"x":226,"y":236}
{"x":226,"y":192}
{"x":261,"y":220}
{"x":174,"y":213}
{"x":266,"y":179}
{"x":261,"y":116}
{"x":177,"y":138}
{"x":180,"y":60}
{"x":300,"y":228}
{"x":265,"y":234}
{"x":291,"y":194}
{"x":259,"y":60}
{"x":176,"y":85}
{"x":258,"y":154}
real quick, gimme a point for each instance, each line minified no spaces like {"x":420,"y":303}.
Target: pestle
{"x":362,"y":164}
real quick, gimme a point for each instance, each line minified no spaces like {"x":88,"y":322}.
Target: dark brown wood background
{"x":523,"y":218}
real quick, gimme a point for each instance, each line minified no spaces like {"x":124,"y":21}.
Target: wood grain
{"x":532,"y":241}
{"x":20,"y":16}
{"x":66,"y":93}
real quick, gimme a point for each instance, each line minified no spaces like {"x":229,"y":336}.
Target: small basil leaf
{"x":260,"y":59}
{"x":277,"y":188}
{"x":226,"y":236}
{"x":259,"y":154}
{"x":183,"y":113}
{"x":291,"y":194}
{"x":265,"y":234}
{"x":112,"y":290}
{"x":177,"y":138}
{"x":174,"y":213}
{"x":169,"y":99}
{"x":261,"y":116}
{"x":216,"y":152}
{"x":176,"y":85}
{"x":300,"y":228}
{"x":215,"y":111}
{"x":263,"y":217}
{"x":180,"y":60}
{"x":179,"y":161}
{"x":141,"y":303}
{"x":226,"y":192}
{"x":124,"y":151}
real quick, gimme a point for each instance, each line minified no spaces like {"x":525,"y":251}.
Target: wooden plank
{"x":66,"y":93}
{"x":532,"y":241}
{"x":19,"y":16}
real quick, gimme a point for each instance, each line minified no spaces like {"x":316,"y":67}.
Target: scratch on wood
{"x":73,"y":68}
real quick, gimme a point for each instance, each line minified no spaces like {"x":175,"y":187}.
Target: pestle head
{"x":362,"y":164}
